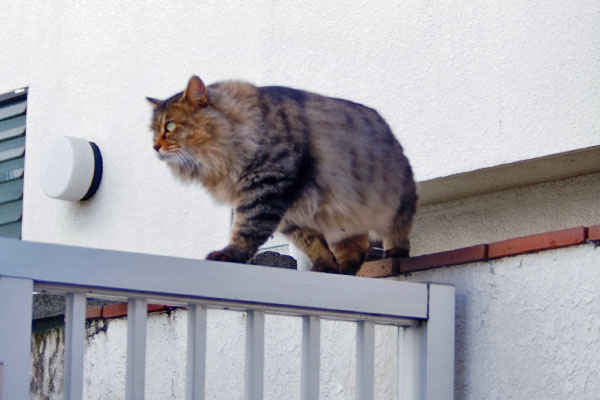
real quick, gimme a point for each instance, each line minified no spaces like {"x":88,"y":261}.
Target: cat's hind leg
{"x":350,"y":253}
{"x":315,"y":247}
{"x":396,"y":241}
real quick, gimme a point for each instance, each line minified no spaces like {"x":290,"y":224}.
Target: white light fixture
{"x":71,"y":169}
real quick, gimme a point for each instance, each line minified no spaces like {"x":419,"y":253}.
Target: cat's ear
{"x":195,"y":92}
{"x":154,"y":102}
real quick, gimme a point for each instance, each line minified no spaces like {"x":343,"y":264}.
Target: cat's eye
{"x":170,"y":126}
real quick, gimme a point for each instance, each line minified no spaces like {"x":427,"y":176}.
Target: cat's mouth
{"x":180,"y":158}
{"x":162,"y":157}
{"x":168,"y":156}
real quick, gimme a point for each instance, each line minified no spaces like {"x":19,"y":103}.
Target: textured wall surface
{"x":507,"y":214}
{"x":528,"y":327}
{"x":47,"y":358}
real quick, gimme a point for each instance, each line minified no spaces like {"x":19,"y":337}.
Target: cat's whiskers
{"x":186,"y":161}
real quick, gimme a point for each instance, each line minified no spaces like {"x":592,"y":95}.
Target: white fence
{"x":424,"y":313}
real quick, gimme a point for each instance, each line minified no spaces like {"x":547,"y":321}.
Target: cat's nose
{"x":157,"y":147}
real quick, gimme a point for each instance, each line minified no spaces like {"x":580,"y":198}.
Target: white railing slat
{"x":196,"y":352}
{"x":255,"y":355}
{"x":311,"y":357}
{"x":411,"y":364}
{"x":74,"y":345}
{"x":439,"y":338}
{"x":365,"y":360}
{"x":15,"y":336}
{"x":137,"y":310}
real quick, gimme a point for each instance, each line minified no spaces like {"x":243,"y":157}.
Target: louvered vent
{"x":12,"y":161}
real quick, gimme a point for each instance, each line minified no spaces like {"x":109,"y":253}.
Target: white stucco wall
{"x":527,"y":326}
{"x":465,"y":85}
{"x":507,"y":214}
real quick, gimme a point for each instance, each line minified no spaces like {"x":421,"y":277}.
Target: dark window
{"x":13,"y":107}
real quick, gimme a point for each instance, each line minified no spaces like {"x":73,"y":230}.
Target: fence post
{"x":15,"y":336}
{"x":74,"y":345}
{"x":311,"y":354}
{"x":255,"y":355}
{"x":439,"y":343}
{"x":411,"y":363}
{"x":365,"y":360}
{"x":137,"y":310}
{"x":196,"y":352}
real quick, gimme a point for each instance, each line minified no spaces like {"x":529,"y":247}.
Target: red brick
{"x":120,"y":310}
{"x":114,"y":310}
{"x":157,"y":307}
{"x":458,"y":256}
{"x":594,"y":233}
{"x":377,"y":268}
{"x":541,"y":241}
{"x":93,"y":312}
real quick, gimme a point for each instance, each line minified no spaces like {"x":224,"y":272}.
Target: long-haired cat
{"x":322,"y":171}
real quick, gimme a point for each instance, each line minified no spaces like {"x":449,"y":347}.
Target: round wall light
{"x":71,"y":169}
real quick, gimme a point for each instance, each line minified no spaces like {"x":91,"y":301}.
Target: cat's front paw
{"x":350,"y":267}
{"x":227,"y":254}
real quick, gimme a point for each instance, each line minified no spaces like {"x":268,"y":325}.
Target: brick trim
{"x":542,"y":241}
{"x":594,"y":233}
{"x":482,"y":252}
{"x":118,"y":310}
{"x":452,"y":257}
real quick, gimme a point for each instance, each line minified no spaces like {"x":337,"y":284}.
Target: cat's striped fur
{"x":324,"y":172}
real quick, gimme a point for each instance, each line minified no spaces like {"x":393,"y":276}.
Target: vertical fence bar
{"x":196,"y":352}
{"x":439,"y":343}
{"x":74,"y":345}
{"x":15,"y":336}
{"x":137,"y":310}
{"x":311,"y":357}
{"x":255,"y":355}
{"x":411,"y":364}
{"x":365,"y":360}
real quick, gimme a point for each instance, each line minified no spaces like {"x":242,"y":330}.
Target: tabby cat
{"x":324,"y":172}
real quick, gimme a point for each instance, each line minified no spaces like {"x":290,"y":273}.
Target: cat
{"x":322,"y":171}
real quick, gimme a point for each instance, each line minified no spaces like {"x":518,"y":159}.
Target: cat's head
{"x":178,"y":122}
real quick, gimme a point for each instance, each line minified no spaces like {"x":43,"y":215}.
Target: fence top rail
{"x":52,"y":265}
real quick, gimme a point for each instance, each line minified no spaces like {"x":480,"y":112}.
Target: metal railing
{"x":424,"y":313}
